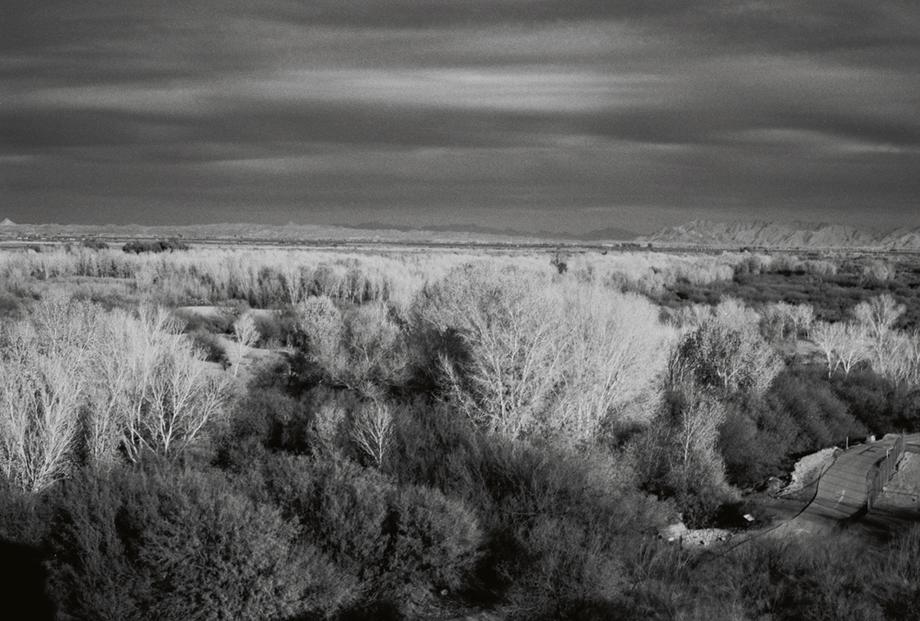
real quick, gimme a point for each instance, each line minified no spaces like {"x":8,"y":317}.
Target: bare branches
{"x":843,"y":345}
{"x":79,"y":376}
{"x":372,"y":431}
{"x":614,"y":352}
{"x":870,"y":337}
{"x":530,"y":356}
{"x":246,"y":333}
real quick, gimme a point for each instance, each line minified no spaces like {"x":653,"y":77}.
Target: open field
{"x":398,"y":431}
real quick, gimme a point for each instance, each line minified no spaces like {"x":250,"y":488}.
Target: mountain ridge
{"x":606,"y":233}
{"x":784,"y":235}
{"x":292,"y":232}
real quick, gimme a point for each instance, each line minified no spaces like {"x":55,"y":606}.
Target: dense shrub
{"x":405,"y":543}
{"x":170,"y":544}
{"x":678,"y":456}
{"x":805,"y":411}
{"x":756,"y":442}
{"x":94,"y":244}
{"x":555,"y":520}
{"x":210,"y":346}
{"x":21,"y":514}
{"x":880,"y":405}
{"x":218,"y":322}
{"x":435,"y":540}
{"x":279,"y":329}
{"x":821,"y":418}
{"x":315,"y":422}
{"x":10,"y":306}
{"x":831,"y":288}
{"x":163,"y":245}
{"x":726,"y":352}
{"x":361,"y":349}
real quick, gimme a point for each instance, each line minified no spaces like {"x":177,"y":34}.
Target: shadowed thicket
{"x":162,"y":542}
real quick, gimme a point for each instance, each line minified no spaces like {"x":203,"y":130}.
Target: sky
{"x":559,"y":115}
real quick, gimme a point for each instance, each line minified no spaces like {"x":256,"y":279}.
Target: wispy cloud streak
{"x":571,"y":112}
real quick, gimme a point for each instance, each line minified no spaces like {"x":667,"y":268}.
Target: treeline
{"x":832,"y":287}
{"x":138,"y":246}
{"x":275,"y":278}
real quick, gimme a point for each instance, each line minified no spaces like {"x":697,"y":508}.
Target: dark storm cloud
{"x":572,"y":112}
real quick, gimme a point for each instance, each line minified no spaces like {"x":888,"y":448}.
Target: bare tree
{"x":372,"y":431}
{"x":246,"y":333}
{"x":40,"y":414}
{"x":171,"y":395}
{"x":43,"y":382}
{"x":361,"y":349}
{"x":528,"y":355}
{"x":374,"y":348}
{"x":694,"y":465}
{"x":783,"y":321}
{"x":852,"y":347}
{"x":901,"y":362}
{"x":615,"y":351}
{"x":842,"y":344}
{"x":878,"y":314}
{"x":293,"y":282}
{"x":803,"y":317}
{"x":876,"y":317}
{"x":510,"y":326}
{"x":826,"y":337}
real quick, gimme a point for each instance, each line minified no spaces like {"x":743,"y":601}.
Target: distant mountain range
{"x":367,"y":232}
{"x":610,"y":233}
{"x":704,"y":233}
{"x":774,"y":235}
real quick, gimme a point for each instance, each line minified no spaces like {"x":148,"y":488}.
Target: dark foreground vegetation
{"x":498,"y":435}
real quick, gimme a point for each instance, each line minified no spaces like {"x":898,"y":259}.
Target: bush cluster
{"x":138,"y":246}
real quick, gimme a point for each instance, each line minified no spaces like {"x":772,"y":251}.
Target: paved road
{"x":842,"y":490}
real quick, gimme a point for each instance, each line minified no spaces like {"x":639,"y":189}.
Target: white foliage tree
{"x":246,"y":333}
{"x":783,"y":321}
{"x":615,"y":351}
{"x":40,"y":409}
{"x":726,"y":352}
{"x":321,"y":322}
{"x":77,"y":376}
{"x":533,"y":356}
{"x":901,"y":362}
{"x":843,"y":345}
{"x":360,"y":349}
{"x":507,"y":323}
{"x":876,"y":317}
{"x":372,"y":431}
{"x":852,"y":348}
